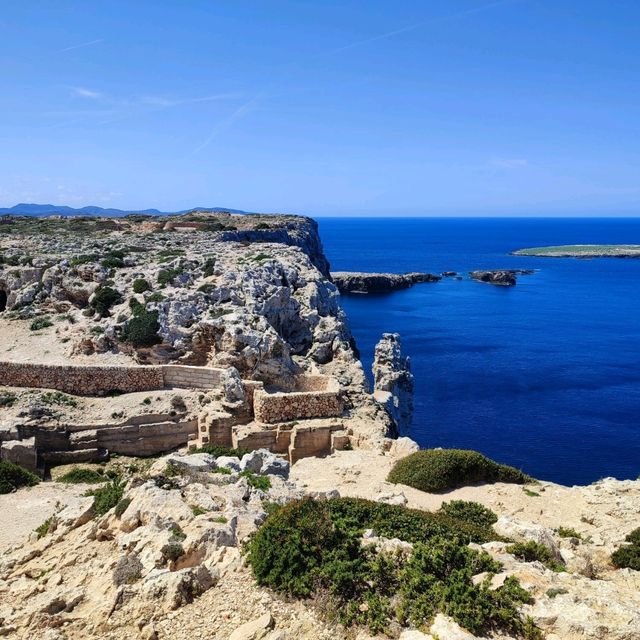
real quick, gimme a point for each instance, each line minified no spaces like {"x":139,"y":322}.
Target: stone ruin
{"x":299,"y":420}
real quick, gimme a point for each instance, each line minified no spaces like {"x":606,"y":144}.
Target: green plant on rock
{"x":436,"y":470}
{"x":104,"y":298}
{"x":106,"y":497}
{"x":41,"y":323}
{"x":217,"y":450}
{"x":262,"y":483}
{"x":7,"y":398}
{"x":172,"y":551}
{"x":58,"y":398}
{"x":568,"y":532}
{"x":122,"y":506}
{"x":532,"y":551}
{"x":81,"y":475}
{"x":13,"y":476}
{"x":628,"y":556}
{"x":42,"y":530}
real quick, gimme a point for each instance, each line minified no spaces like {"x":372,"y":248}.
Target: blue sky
{"x":370,"y":107}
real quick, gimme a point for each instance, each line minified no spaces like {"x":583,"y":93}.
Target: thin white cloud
{"x":81,"y":45}
{"x":83,"y":92}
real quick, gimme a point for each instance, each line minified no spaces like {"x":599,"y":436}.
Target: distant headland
{"x":583,"y":251}
{"x":42,"y":210}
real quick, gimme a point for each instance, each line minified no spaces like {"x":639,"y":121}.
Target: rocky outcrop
{"x":500,"y":277}
{"x":357,"y":282}
{"x":393,"y":381}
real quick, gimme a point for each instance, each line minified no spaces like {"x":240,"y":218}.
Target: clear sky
{"x":323,"y":107}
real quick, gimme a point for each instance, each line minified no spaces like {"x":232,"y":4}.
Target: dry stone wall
{"x":98,"y":380}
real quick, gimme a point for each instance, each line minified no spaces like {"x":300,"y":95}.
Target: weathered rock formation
{"x":357,"y":282}
{"x":393,"y":381}
{"x":500,"y":277}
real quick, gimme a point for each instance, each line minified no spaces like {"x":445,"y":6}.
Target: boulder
{"x":255,"y":629}
{"x":444,"y":628}
{"x":526,"y":531}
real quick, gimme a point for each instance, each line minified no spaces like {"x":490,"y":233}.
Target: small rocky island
{"x":358,"y":282}
{"x":583,"y":251}
{"x":500,"y":277}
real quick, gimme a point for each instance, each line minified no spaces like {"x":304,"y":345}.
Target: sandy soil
{"x":24,"y":510}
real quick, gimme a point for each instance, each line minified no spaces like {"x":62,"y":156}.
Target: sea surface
{"x":544,"y":375}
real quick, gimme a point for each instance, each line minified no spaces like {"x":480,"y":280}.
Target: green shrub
{"x":628,"y":555}
{"x":177,"y":533}
{"x":568,"y":532}
{"x":535,"y":551}
{"x":198,"y":511}
{"x":155,"y":297}
{"x":104,"y":298}
{"x":441,"y":469}
{"x":122,"y":506}
{"x":167,"y":276}
{"x":43,"y":529}
{"x":59,"y":398}
{"x":112,"y":262}
{"x":78,"y":475}
{"x":313,"y":548}
{"x":172,"y":551}
{"x":7,"y":398}
{"x":13,"y":476}
{"x":142,"y":329}
{"x":41,"y":323}
{"x":217,"y":450}
{"x":209,"y":267}
{"x":107,"y":497}
{"x":263,"y":483}
{"x":140,"y":285}
{"x":136,"y":306}
{"x":471,"y":512}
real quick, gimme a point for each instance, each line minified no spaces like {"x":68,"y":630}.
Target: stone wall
{"x":81,"y":380}
{"x":270,"y":408}
{"x":98,"y":380}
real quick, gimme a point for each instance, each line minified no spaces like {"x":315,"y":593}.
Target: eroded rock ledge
{"x":360,"y":282}
{"x":500,"y":277}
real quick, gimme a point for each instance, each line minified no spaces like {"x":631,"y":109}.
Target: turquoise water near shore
{"x":544,"y":375}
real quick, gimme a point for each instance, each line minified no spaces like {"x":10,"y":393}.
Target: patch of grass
{"x":177,"y":533}
{"x":43,"y":529}
{"x":58,"y":398}
{"x":568,"y":532}
{"x":531,"y":494}
{"x":223,"y":470}
{"x":107,"y":497}
{"x":198,"y":511}
{"x":262,"y":483}
{"x":534,"y":551}
{"x":220,"y":520}
{"x":41,"y":323}
{"x":13,"y":476}
{"x":312,"y":548}
{"x":7,"y":398}
{"x":436,"y":470}
{"x":217,"y":450}
{"x":556,"y":591}
{"x":628,"y":555}
{"x":79,"y":475}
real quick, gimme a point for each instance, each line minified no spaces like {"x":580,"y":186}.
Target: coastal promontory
{"x":583,"y":251}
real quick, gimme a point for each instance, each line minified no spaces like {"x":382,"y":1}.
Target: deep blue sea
{"x":544,"y":375}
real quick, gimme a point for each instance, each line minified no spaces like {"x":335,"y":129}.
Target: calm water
{"x":544,"y":375}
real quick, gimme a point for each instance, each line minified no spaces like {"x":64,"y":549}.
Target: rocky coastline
{"x":361,"y":283}
{"x":233,"y":315}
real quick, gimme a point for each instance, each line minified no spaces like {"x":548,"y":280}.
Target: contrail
{"x":80,"y":46}
{"x":241,"y":111}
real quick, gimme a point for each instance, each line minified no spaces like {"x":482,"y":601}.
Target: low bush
{"x":172,"y":551}
{"x":217,"y":450}
{"x":441,"y":469}
{"x":142,"y":329}
{"x":257,"y":482}
{"x":7,"y":398}
{"x":167,"y":276}
{"x":535,"y":551}
{"x":107,"y":497}
{"x":104,"y":298}
{"x":568,"y":532}
{"x":78,"y":475}
{"x":42,"y":530}
{"x":128,"y":570}
{"x":41,"y":323}
{"x":313,"y":548}
{"x":140,"y":285}
{"x":13,"y":476}
{"x":628,"y":555}
{"x":472,"y":513}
